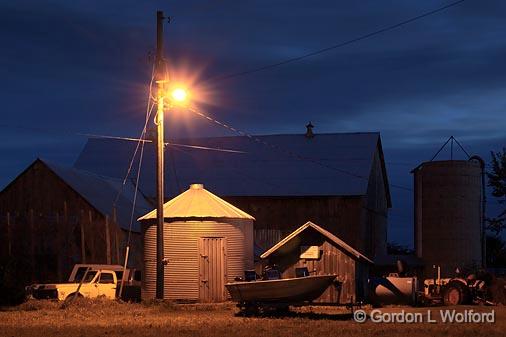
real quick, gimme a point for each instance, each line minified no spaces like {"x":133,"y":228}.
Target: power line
{"x":171,"y":144}
{"x":149,"y":109}
{"x":327,"y":49}
{"x":288,"y":152}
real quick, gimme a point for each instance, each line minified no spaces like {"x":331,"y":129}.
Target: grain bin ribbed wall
{"x":448,"y":214}
{"x":181,"y":251}
{"x":194,"y":217}
{"x":148,"y":289}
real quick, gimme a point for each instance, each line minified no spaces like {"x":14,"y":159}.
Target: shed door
{"x":212,"y":269}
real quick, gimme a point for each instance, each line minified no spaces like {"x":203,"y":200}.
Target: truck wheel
{"x":455,"y":294}
{"x":71,"y":296}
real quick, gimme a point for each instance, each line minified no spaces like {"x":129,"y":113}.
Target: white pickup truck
{"x":101,"y":282}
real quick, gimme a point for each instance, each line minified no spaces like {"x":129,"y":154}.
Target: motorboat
{"x":288,"y":290}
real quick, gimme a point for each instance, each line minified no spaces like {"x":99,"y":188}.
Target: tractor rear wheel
{"x":455,"y":294}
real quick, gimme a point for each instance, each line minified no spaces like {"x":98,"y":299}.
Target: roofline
{"x":70,"y":187}
{"x":82,"y":196}
{"x":20,"y":174}
{"x":152,"y":214}
{"x":261,"y":135}
{"x":428,"y":162}
{"x":39,"y":160}
{"x":384,"y":171}
{"x":195,"y":218}
{"x":291,"y":134}
{"x":322,"y":231}
{"x":298,"y":196}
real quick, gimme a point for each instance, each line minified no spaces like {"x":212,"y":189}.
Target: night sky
{"x":70,"y":67}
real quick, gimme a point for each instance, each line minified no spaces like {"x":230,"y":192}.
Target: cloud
{"x":83,"y":66}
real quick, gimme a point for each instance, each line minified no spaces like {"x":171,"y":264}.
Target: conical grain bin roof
{"x":198,"y":202}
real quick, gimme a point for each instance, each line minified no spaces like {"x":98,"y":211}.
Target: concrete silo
{"x":449,"y":214}
{"x":207,"y":243}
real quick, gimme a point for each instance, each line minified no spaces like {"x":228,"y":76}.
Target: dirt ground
{"x":108,"y":318}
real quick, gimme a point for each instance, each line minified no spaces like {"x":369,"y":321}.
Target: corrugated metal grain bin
{"x":448,"y":214}
{"x":207,"y":243}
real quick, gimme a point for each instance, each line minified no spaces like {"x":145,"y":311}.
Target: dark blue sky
{"x":72,"y":67}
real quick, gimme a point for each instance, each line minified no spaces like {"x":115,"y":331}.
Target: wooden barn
{"x":336,"y":179}
{"x":52,"y":217}
{"x":207,"y":243}
{"x":322,"y":253}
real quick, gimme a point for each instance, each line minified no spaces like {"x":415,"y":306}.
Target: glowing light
{"x":179,"y":95}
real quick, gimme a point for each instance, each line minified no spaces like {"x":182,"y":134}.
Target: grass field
{"x":107,"y":318}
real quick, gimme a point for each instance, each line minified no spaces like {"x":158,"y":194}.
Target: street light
{"x":179,"y":95}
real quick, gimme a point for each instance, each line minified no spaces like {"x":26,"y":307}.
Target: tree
{"x":497,"y":180}
{"x":496,"y":251}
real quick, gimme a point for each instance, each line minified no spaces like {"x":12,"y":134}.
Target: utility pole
{"x":160,"y":80}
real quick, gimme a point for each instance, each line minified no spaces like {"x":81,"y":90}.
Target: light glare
{"x":179,"y":95}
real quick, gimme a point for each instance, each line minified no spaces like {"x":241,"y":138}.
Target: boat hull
{"x":300,"y":289}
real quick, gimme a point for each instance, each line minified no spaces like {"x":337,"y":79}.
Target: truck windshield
{"x":79,"y":274}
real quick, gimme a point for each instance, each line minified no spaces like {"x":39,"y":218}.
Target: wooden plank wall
{"x":266,"y":238}
{"x":44,"y":223}
{"x":45,"y":247}
{"x":376,"y":211}
{"x":333,"y":260}
{"x":342,"y":216}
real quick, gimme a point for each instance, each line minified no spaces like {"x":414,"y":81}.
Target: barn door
{"x":212,"y":269}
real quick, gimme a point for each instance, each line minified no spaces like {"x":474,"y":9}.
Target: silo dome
{"x":207,"y":243}
{"x":449,"y":214}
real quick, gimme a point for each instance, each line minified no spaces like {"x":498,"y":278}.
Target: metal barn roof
{"x":337,"y":164}
{"x":322,"y":231}
{"x":101,"y":192}
{"x":198,"y":202}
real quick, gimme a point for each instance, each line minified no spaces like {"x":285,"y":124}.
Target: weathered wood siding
{"x":376,"y":210}
{"x":342,"y":216}
{"x":352,"y":273}
{"x":361,"y":221}
{"x":43,"y":223}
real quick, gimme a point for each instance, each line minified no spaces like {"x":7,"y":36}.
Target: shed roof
{"x":336,"y":164}
{"x":197,"y":202}
{"x":322,"y":231}
{"x":100,"y":192}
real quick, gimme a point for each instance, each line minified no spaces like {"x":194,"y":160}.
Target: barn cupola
{"x":309,"y":130}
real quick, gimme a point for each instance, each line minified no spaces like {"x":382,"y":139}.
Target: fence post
{"x":59,"y":243}
{"x":32,"y":245}
{"x":92,"y":238}
{"x":107,"y":240}
{"x":9,"y":239}
{"x":116,"y":240}
{"x":83,"y":248}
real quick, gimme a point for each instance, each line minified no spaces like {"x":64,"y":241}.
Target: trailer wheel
{"x":249,"y":309}
{"x":455,"y":294}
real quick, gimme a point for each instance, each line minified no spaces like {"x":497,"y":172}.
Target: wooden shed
{"x":323,"y":253}
{"x":207,"y":243}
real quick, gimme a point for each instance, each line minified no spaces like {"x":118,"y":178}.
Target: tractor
{"x":456,"y":290}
